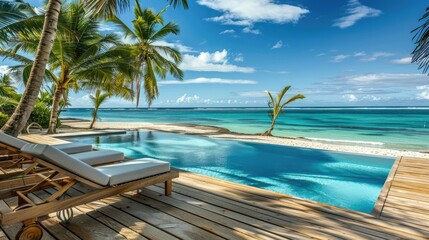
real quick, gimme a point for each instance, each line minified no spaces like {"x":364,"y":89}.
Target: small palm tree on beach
{"x":151,"y":58}
{"x":97,"y":99}
{"x":119,"y":89}
{"x":276,"y":106}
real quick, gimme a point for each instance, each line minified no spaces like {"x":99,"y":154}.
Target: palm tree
{"x":276,"y":106}
{"x":6,"y":87}
{"x":421,"y":37}
{"x":22,"y":113}
{"x":97,"y":99}
{"x":13,"y":13}
{"x":80,"y":55}
{"x":101,"y":97}
{"x":150,"y":58}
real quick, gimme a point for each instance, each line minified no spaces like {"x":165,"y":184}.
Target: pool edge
{"x":382,"y":197}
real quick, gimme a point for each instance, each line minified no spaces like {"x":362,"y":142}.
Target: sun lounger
{"x":13,"y":165}
{"x":108,"y":180}
{"x":14,"y":144}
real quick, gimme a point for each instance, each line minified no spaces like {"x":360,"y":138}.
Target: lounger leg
{"x":168,"y":187}
{"x":30,"y":230}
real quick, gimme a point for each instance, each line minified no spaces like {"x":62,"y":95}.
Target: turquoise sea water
{"x":396,"y":128}
{"x":344,"y":180}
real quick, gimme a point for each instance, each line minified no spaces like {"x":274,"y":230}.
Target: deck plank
{"x":355,"y":225}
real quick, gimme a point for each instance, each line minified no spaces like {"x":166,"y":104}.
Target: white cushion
{"x":133,"y":170}
{"x":65,"y":161}
{"x":101,"y":156}
{"x":11,"y":141}
{"x":71,"y":148}
{"x":65,"y":147}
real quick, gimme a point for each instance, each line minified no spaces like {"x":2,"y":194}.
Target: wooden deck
{"x":207,"y":208}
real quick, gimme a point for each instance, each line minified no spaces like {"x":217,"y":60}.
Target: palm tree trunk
{"x":55,"y":109}
{"x":94,"y":118}
{"x":268,"y":132}
{"x":22,"y":112}
{"x":92,"y":123}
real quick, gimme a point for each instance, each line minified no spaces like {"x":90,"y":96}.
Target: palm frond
{"x":292,"y":99}
{"x":421,"y":38}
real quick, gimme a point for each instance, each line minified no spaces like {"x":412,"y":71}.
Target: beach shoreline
{"x":80,"y":125}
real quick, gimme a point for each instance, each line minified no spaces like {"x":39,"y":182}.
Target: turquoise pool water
{"x":344,"y":180}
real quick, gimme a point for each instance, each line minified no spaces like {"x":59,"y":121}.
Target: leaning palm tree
{"x":276,"y":106}
{"x":421,"y":37}
{"x":97,"y":99}
{"x":151,"y":59}
{"x":101,"y":96}
{"x":22,"y":113}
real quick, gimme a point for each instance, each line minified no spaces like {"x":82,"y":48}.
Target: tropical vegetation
{"x":276,"y":106}
{"x":9,"y":99}
{"x":72,"y":54}
{"x":8,"y":22}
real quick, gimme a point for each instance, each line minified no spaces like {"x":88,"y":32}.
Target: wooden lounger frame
{"x":29,"y":210}
{"x":12,"y":159}
{"x":12,"y":162}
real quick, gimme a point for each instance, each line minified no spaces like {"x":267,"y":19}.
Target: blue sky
{"x":345,"y":53}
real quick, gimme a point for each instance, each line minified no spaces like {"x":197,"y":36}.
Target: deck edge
{"x":382,"y":197}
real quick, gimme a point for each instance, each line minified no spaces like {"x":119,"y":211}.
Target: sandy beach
{"x":215,"y":132}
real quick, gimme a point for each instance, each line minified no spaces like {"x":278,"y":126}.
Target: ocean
{"x":403,"y":128}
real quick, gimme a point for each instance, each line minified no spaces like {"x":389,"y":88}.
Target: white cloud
{"x":402,"y":61}
{"x":376,"y":56}
{"x":4,"y":69}
{"x":359,"y":54}
{"x":246,"y":13}
{"x":354,"y":98}
{"x":371,"y":98}
{"x":382,"y":80}
{"x":176,"y":45}
{"x":107,"y":27}
{"x":339,"y":58}
{"x":251,"y":30}
{"x":211,"y":62}
{"x":350,"y":97}
{"x":203,"y":80}
{"x":128,"y":39}
{"x":227,"y":31}
{"x":195,"y":99}
{"x":424,"y":94}
{"x":83,"y":101}
{"x":253,"y":94}
{"x":186,"y":99}
{"x":355,"y":12}
{"x":239,"y":58}
{"x":278,"y":44}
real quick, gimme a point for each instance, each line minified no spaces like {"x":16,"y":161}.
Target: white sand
{"x":222,"y":133}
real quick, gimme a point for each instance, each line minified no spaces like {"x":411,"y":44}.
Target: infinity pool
{"x":345,"y":180}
